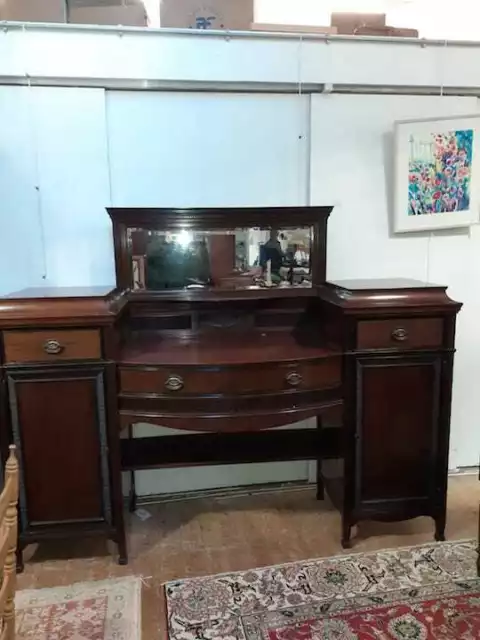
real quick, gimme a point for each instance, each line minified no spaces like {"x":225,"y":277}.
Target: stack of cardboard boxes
{"x":124,"y":12}
{"x":234,"y":15}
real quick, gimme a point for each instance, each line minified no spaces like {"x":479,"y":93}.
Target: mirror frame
{"x":205,"y":219}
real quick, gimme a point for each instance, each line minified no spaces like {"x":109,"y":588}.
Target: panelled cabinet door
{"x":397,"y":431}
{"x":58,"y":420}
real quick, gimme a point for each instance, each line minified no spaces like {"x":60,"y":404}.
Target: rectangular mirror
{"x":240,"y":258}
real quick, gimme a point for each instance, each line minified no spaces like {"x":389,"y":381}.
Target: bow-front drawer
{"x":270,"y":378}
{"x":57,"y":344}
{"x":406,"y":333}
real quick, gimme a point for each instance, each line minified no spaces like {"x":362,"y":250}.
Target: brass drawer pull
{"x":53,"y":347}
{"x":400,"y":334}
{"x":294,"y":379}
{"x":174,"y":383}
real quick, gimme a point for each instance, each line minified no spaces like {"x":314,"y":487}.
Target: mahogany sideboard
{"x":222,"y":324}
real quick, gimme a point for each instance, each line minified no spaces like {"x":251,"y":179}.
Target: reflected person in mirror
{"x":272,"y":250}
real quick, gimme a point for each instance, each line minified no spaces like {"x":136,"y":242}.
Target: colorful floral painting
{"x":440,"y":172}
{"x":437,"y":173}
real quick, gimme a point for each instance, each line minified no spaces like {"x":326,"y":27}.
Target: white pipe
{"x":199,"y":86}
{"x":213,"y":33}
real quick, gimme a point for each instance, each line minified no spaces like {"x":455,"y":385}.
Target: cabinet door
{"x":397,"y":430}
{"x":58,"y":421}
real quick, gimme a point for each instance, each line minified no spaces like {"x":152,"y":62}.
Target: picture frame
{"x":437,"y":173}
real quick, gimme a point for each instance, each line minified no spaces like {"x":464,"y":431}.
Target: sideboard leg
{"x":121,"y":541}
{"x":440,"y":522}
{"x":478,"y":546}
{"x":132,"y":496}
{"x":320,"y":485}
{"x":346,"y":533}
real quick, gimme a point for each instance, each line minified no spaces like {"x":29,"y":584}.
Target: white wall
{"x":351,"y":167}
{"x":21,"y":255}
{"x":210,"y":149}
{"x":87,"y":148}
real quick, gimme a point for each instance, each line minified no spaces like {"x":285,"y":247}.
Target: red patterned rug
{"x":429,"y":592}
{"x":107,"y":610}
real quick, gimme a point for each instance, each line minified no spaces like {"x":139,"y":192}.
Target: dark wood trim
{"x":227,"y":422}
{"x":229,"y":448}
{"x":113,"y":424}
{"x":217,"y":218}
{"x":205,"y":295}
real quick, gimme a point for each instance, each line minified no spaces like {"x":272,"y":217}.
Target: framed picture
{"x":437,"y":173}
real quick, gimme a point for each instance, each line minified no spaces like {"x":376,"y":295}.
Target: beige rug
{"x":106,"y":610}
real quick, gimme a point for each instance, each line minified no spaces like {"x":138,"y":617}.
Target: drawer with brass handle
{"x":174,"y":383}
{"x":294,"y":379}
{"x":55,"y":344}
{"x":402,"y":333}
{"x":231,"y":380}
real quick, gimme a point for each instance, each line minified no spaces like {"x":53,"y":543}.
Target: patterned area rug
{"x":429,"y":592}
{"x":107,"y":610}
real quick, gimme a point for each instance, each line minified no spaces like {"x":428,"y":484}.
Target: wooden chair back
{"x":8,"y":545}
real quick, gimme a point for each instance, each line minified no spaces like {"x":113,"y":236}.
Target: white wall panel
{"x":351,"y":167}
{"x":74,"y":185}
{"x":183,"y":150}
{"x":200,"y":478}
{"x":21,"y":258}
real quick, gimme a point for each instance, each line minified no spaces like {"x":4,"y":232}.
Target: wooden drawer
{"x":46,"y":346}
{"x":271,"y":378}
{"x":406,"y":333}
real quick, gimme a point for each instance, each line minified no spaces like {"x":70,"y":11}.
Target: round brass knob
{"x":294,"y":379}
{"x":53,"y":347}
{"x":174,"y":383}
{"x":400,"y":334}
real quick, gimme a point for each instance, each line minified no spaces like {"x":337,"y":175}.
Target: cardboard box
{"x":128,"y":16}
{"x":292,"y":28}
{"x":388,"y":32}
{"x":402,"y":32}
{"x":207,"y":14}
{"x":125,"y":12}
{"x":349,"y":23}
{"x":33,"y":10}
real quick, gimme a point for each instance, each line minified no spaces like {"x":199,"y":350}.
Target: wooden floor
{"x":215,"y":535}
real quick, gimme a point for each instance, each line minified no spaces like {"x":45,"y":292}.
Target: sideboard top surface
{"x":383,"y":284}
{"x":45,"y":306}
{"x":38,"y":293}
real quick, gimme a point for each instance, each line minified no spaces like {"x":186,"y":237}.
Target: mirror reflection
{"x":228,"y":259}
